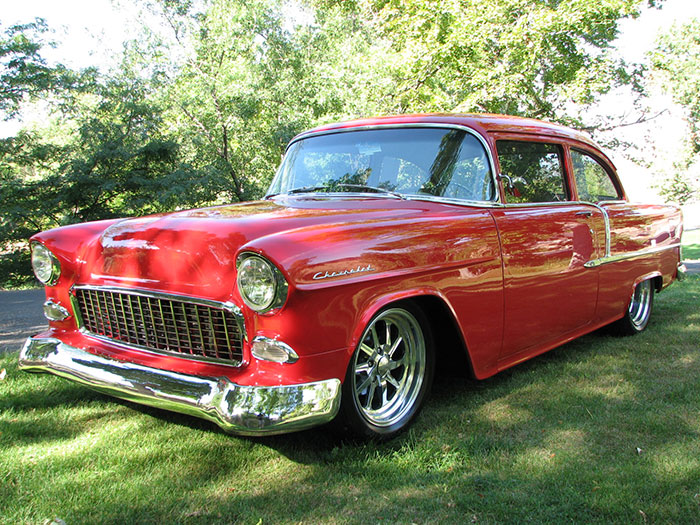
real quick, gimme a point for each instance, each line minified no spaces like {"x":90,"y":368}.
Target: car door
{"x":546,"y":239}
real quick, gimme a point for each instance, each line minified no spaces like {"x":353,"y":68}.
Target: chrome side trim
{"x":629,"y":255}
{"x":238,"y":409}
{"x":606,"y":220}
{"x":469,"y":130}
{"x":234,"y":309}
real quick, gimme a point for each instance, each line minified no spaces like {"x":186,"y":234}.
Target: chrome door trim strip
{"x":629,"y":255}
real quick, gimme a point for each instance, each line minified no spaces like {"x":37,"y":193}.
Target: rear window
{"x":593,"y":183}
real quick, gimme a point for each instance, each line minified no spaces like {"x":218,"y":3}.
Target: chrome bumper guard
{"x":244,"y":410}
{"x":681,"y":272}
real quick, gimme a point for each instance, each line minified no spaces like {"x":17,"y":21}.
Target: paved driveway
{"x":21,"y":315}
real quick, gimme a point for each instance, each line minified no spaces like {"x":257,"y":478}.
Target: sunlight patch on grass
{"x":502,"y":414}
{"x":611,"y":387}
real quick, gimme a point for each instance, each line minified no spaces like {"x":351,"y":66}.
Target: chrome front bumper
{"x":245,"y":410}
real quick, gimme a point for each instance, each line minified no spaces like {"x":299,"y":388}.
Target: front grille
{"x":187,"y":327}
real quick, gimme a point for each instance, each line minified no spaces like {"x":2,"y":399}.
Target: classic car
{"x":382,"y":246}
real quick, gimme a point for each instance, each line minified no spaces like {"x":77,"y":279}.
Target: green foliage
{"x":113,"y":160}
{"x":681,"y":187}
{"x":24,"y":74}
{"x":677,"y":61}
{"x":676,"y":64}
{"x":505,"y":56}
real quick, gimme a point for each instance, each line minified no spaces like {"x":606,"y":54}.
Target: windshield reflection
{"x":438,"y":162}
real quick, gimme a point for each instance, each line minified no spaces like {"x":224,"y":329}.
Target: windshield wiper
{"x":304,"y":189}
{"x":307,"y":189}
{"x":371,"y":188}
{"x":312,"y":189}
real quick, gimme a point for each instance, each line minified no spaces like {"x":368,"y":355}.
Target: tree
{"x":676,"y":67}
{"x":23,"y":71}
{"x":536,"y":58}
{"x":109,"y":160}
{"x":676,"y":61}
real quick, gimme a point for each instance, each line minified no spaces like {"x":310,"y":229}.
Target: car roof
{"x":483,"y":123}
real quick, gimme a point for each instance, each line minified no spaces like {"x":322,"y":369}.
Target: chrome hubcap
{"x":389,"y":367}
{"x":640,"y":305}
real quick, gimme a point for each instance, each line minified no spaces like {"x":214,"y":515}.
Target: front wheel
{"x":638,"y":311}
{"x":389,"y":374}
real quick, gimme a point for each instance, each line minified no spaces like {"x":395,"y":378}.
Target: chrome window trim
{"x":228,"y":306}
{"x":405,"y":125}
{"x":616,"y":201}
{"x":561,"y":153}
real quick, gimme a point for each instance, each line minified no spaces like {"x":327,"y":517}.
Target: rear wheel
{"x":389,"y":373}
{"x":638,"y":311}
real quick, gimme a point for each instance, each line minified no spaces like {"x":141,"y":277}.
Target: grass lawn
{"x":691,"y":245}
{"x":602,"y":430}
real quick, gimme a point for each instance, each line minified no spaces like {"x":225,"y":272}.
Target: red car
{"x":382,"y":246}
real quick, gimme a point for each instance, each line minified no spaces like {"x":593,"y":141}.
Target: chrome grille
{"x":162,"y":323}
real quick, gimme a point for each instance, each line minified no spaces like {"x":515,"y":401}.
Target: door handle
{"x":584,"y":214}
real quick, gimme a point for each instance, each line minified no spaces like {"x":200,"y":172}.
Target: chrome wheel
{"x":639,"y":309}
{"x":388,"y":369}
{"x":638,"y":312}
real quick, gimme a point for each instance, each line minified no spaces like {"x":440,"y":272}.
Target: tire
{"x":389,"y":374}
{"x":638,"y":311}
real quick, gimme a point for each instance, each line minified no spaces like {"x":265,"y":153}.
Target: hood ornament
{"x":360,"y":269}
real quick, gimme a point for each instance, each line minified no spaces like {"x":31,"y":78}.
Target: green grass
{"x":551,"y":441}
{"x":691,"y":245}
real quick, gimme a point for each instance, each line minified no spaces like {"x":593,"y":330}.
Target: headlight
{"x":261,"y":285}
{"x":45,"y":264}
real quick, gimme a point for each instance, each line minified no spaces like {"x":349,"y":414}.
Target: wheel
{"x":638,"y":311}
{"x":389,"y":374}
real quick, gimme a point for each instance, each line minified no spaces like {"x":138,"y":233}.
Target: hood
{"x":194,"y":252}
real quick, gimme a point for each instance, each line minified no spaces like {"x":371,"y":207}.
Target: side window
{"x":535,"y":169}
{"x":592,"y":181}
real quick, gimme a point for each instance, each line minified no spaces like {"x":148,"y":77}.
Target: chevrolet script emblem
{"x":359,"y":269}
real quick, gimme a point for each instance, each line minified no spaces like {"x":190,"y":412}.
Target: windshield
{"x":439,"y":162}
